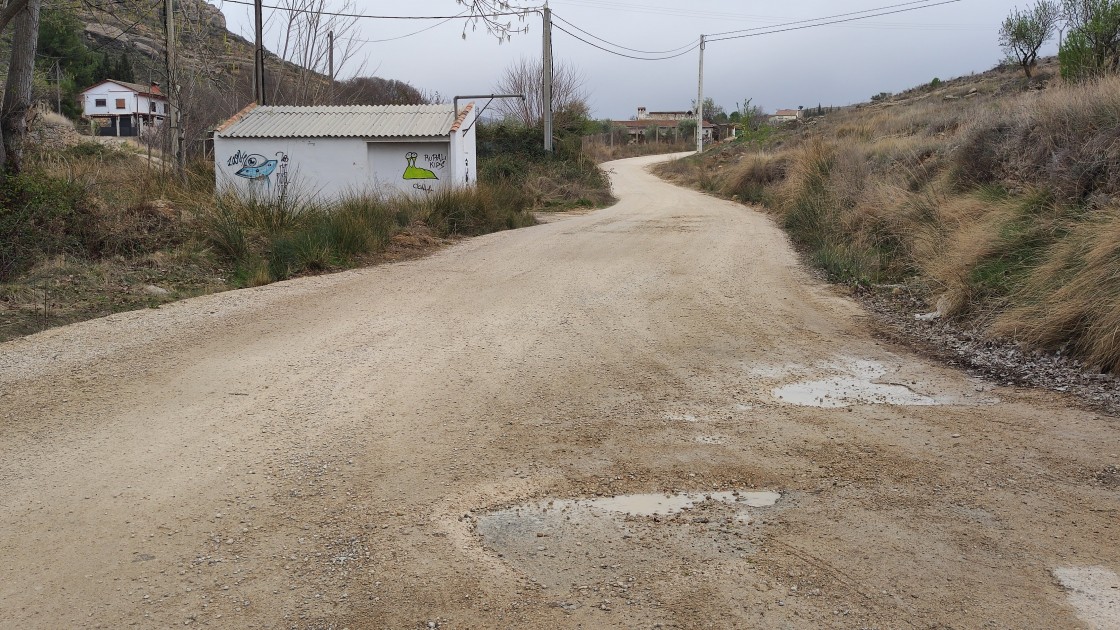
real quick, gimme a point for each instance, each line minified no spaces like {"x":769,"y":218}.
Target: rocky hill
{"x":216,"y":64}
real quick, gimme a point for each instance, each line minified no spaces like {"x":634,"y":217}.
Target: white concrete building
{"x":118,"y":108}
{"x":332,"y":151}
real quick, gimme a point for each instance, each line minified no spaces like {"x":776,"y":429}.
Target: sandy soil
{"x":378,"y":449}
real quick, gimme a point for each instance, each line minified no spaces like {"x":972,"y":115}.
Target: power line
{"x":124,"y":32}
{"x":607,"y":50}
{"x":826,"y":17}
{"x":853,"y":19}
{"x":393,"y":39}
{"x":644,"y":52}
{"x":461,"y":16}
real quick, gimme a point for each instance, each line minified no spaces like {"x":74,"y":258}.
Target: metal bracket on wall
{"x":491,"y":98}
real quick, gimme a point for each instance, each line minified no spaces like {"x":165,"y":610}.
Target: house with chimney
{"x":119,"y":108}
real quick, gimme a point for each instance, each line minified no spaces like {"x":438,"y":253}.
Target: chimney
{"x":642,"y":113}
{"x":155,"y":87}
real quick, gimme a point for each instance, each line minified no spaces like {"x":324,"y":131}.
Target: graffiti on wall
{"x":415,"y":172}
{"x":258,"y":169}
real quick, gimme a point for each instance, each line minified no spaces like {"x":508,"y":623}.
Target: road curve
{"x":350,"y":450}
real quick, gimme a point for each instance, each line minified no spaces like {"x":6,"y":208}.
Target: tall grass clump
{"x":40,"y":216}
{"x":996,"y":202}
{"x":1071,"y":300}
{"x":268,"y":238}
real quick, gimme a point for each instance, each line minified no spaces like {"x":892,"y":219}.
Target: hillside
{"x":125,"y":40}
{"x":986,"y":201}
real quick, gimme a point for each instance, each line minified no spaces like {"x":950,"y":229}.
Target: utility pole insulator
{"x":546,"y":79}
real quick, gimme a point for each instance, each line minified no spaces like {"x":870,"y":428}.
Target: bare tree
{"x":17,"y":89}
{"x":1024,"y":32}
{"x":496,"y":16}
{"x":525,"y":75}
{"x":301,"y":29}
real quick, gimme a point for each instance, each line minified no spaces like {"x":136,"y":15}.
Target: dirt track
{"x":343,"y":451}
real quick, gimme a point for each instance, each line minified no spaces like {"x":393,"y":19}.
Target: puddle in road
{"x":664,"y":504}
{"x":1094,"y":592}
{"x":585,"y":551}
{"x":860,"y":383}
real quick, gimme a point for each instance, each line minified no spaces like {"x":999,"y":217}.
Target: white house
{"x":643,"y":114}
{"x":332,"y":151}
{"x":122,"y":109}
{"x":787,"y":115}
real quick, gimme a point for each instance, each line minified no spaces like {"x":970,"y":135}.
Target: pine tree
{"x":123,"y":70}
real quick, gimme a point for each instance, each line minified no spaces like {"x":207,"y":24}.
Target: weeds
{"x":1002,"y":207}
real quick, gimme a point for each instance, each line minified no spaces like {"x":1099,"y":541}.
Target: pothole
{"x":664,"y":504}
{"x":710,"y":439}
{"x":1094,"y":592}
{"x":860,"y":382}
{"x":681,"y":417}
{"x":585,"y":548}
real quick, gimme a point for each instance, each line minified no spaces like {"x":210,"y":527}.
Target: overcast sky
{"x":838,"y":64}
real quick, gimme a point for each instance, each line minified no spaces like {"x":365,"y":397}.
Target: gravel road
{"x":438,"y":443}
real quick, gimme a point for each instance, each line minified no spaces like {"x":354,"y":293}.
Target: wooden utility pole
{"x":258,"y":54}
{"x":546,"y":78}
{"x":700,"y":103}
{"x":330,"y":61}
{"x":173,"y":104}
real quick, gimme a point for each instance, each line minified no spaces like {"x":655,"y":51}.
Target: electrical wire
{"x":126,"y":31}
{"x":613,"y":52}
{"x":853,"y":19}
{"x":826,"y":17}
{"x":619,"y":46}
{"x":524,"y":11}
{"x":393,"y":39}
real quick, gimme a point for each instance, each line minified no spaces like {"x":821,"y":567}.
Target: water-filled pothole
{"x":564,"y":542}
{"x":858,"y":382}
{"x":664,"y":504}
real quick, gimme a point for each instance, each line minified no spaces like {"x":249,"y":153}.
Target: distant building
{"x":665,"y":122}
{"x":333,"y":151}
{"x":119,"y":108}
{"x":646,"y":115}
{"x":787,"y":115}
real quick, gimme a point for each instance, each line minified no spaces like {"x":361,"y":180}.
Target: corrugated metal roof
{"x":342,"y":121}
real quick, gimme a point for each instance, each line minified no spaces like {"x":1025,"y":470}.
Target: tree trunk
{"x":17,"y":91}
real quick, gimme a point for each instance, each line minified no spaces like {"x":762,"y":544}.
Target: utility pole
{"x":258,"y":54}
{"x":58,"y":84}
{"x":546,"y":78}
{"x":330,"y":61}
{"x":700,"y":103}
{"x":173,"y":118}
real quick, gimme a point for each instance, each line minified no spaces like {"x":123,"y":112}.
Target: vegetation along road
{"x":649,"y":414}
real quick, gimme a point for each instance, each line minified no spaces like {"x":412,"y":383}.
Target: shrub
{"x":40,"y":216}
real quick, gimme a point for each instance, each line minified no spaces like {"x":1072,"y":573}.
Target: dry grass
{"x":997,"y":202}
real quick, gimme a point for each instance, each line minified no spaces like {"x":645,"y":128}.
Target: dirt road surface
{"x":439,"y":443}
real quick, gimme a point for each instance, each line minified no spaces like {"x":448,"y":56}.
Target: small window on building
{"x":99,"y":102}
{"x":120,"y":103}
{"x":153,"y":107}
{"x":165,"y":108}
